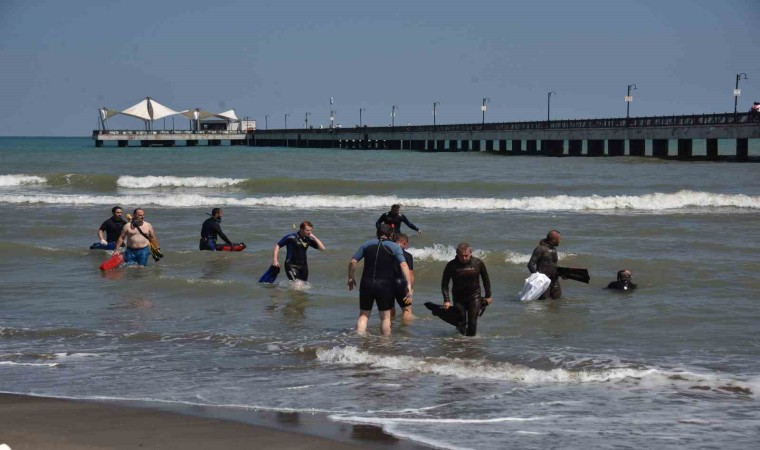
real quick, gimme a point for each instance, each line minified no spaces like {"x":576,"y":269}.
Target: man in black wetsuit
{"x":381,"y":257}
{"x":623,"y":282}
{"x":544,"y":260}
{"x":297,"y":243}
{"x":211,"y":230}
{"x":465,"y":271}
{"x":394,"y":218}
{"x":109,"y":231}
{"x":401,"y":293}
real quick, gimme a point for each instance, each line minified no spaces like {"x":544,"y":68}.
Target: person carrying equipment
{"x":297,"y":243}
{"x":211,"y":230}
{"x":465,"y":272}
{"x":544,"y":259}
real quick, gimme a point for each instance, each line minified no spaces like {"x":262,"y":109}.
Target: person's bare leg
{"x":361,"y":323}
{"x":385,"y":322}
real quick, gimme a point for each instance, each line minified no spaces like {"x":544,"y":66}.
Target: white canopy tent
{"x":149,"y":110}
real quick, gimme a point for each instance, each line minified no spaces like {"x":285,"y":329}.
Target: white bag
{"x":535,"y":285}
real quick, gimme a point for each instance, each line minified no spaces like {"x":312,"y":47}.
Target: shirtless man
{"x":138,"y":234}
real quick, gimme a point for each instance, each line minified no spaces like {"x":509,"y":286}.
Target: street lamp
{"x":435,"y":108}
{"x":266,"y":121}
{"x":628,"y":100}
{"x":307,"y":120}
{"x":737,"y":91}
{"x":332,"y":114}
{"x":393,"y":115}
{"x":549,"y":105}
{"x":483,"y":108}
{"x":286,"y":121}
{"x":360,"y":115}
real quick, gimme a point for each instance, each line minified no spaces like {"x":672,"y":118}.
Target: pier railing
{"x":163,"y":132}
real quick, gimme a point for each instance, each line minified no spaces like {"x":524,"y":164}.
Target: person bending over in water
{"x":465,"y":271}
{"x":623,"y":282}
{"x":211,"y":230}
{"x":297,"y":243}
{"x":403,"y":300}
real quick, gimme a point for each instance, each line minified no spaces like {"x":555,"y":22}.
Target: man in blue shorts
{"x":297,"y":243}
{"x":138,"y":234}
{"x":381,"y":257}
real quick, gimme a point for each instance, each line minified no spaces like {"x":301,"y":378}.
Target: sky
{"x":62,"y":60}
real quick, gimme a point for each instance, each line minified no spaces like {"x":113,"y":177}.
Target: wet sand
{"x":40,"y":423}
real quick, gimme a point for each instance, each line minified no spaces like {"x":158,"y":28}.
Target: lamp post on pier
{"x":266,"y":121}
{"x":360,"y":115}
{"x":286,"y":121}
{"x":307,"y":120}
{"x":483,"y":108}
{"x":549,"y":106}
{"x":737,"y":91}
{"x":435,"y":109}
{"x":628,"y":100}
{"x":393,"y":115}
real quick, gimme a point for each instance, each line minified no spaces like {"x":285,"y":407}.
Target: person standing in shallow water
{"x":465,"y":272}
{"x":623,"y":282}
{"x":403,"y":300}
{"x":211,"y":230}
{"x":544,"y":260}
{"x":138,"y":234}
{"x":296,"y":267}
{"x":381,"y":257}
{"x":394,"y":218}
{"x":110,"y":229}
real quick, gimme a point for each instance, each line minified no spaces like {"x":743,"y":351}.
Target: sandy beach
{"x":36,"y":423}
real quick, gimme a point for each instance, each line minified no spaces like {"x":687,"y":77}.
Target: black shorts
{"x":380,"y":291}
{"x":399,"y":286}
{"x":295,"y":272}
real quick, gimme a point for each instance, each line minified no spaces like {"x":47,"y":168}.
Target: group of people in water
{"x":388,"y":273}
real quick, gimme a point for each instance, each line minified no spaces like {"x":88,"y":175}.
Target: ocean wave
{"x":12,"y":363}
{"x":679,"y":201}
{"x":440,"y":252}
{"x":148,"y":182}
{"x":504,"y":371}
{"x":18,"y":180}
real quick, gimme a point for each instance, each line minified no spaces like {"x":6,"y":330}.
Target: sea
{"x":672,"y":364}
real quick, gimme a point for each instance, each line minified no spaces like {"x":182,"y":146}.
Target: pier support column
{"x":575,"y":147}
{"x":440,"y":145}
{"x":475,"y":145}
{"x":503,"y":145}
{"x":532,"y":147}
{"x":453,"y":145}
{"x":595,"y":147}
{"x":98,"y":143}
{"x":711,"y":148}
{"x":660,"y":148}
{"x":465,"y":145}
{"x":742,"y":149}
{"x":637,"y":147}
{"x":615,"y":147}
{"x":552,"y":147}
{"x":489,"y":145}
{"x":684,"y":148}
{"x":516,"y":146}
{"x":430,"y":146}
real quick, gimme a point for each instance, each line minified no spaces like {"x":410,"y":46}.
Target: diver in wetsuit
{"x":394,"y":218}
{"x":109,"y":231}
{"x":381,"y":257}
{"x":297,"y":243}
{"x":544,"y":260}
{"x":211,"y":230}
{"x":465,"y":271}
{"x":623,"y":282}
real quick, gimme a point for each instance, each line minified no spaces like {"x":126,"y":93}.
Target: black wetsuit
{"x":296,"y":267}
{"x":400,"y":281}
{"x":465,"y":289}
{"x":211,"y":230}
{"x":381,"y":259}
{"x":622,"y":285}
{"x":395,"y":223}
{"x":112,"y":226}
{"x":544,"y":260}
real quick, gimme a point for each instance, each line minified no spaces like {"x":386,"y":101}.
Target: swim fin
{"x":574,"y":274}
{"x":452,"y":315}
{"x":270,"y":275}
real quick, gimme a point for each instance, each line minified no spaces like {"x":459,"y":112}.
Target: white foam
{"x":401,"y":420}
{"x":11,"y":363}
{"x":658,"y":202}
{"x":18,"y":180}
{"x":504,"y":371}
{"x":148,"y":182}
{"x":440,"y":252}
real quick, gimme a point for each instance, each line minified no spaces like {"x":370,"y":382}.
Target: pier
{"x":635,"y":136}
